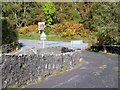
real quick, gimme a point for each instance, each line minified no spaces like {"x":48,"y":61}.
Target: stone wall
{"x":1,"y":65}
{"x":17,"y":69}
{"x":8,"y":47}
{"x":54,"y":50}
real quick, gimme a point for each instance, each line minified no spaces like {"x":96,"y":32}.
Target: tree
{"x":8,"y":35}
{"x":14,"y":13}
{"x":22,"y":13}
{"x":49,"y":11}
{"x":68,"y":11}
{"x":104,"y":22}
{"x":35,"y":13}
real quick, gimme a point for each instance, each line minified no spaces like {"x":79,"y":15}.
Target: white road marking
{"x":65,"y":81}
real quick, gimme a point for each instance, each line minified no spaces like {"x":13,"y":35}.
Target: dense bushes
{"x":8,"y":35}
{"x":68,"y":11}
{"x":31,"y":29}
{"x":70,"y":29}
{"x":104,"y":22}
{"x":28,"y":29}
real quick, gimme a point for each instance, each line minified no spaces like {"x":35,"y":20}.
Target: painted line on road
{"x":65,"y":81}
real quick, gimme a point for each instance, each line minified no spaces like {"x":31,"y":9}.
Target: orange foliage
{"x":28,"y":29}
{"x":69,"y":29}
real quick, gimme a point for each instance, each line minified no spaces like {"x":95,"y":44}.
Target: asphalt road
{"x":27,"y":45}
{"x":98,"y":71}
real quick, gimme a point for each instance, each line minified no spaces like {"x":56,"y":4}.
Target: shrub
{"x":28,"y":29}
{"x":8,"y":35}
{"x":85,"y":33}
{"x":46,"y":30}
{"x":70,"y":29}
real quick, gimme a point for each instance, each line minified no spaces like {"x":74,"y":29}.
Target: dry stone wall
{"x":8,"y":47}
{"x":54,"y":50}
{"x":1,"y":65}
{"x":17,"y":69}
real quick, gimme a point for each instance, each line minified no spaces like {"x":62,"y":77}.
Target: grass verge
{"x":54,"y":72}
{"x":54,"y":37}
{"x":115,"y":68}
{"x":12,"y":87}
{"x":36,"y":36}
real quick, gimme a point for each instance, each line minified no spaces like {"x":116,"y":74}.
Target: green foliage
{"x":49,"y":11}
{"x":22,"y":13}
{"x":29,"y":13}
{"x":32,"y":36}
{"x":68,"y":11}
{"x":46,"y":30}
{"x":104,"y":23}
{"x":36,"y":36}
{"x":8,"y":35}
{"x":100,"y":18}
{"x":34,"y":13}
{"x":14,"y":13}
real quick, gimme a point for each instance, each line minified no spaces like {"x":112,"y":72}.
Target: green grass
{"x":60,"y":70}
{"x":53,"y":37}
{"x":36,"y":36}
{"x":32,"y":36}
{"x":12,"y":87}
